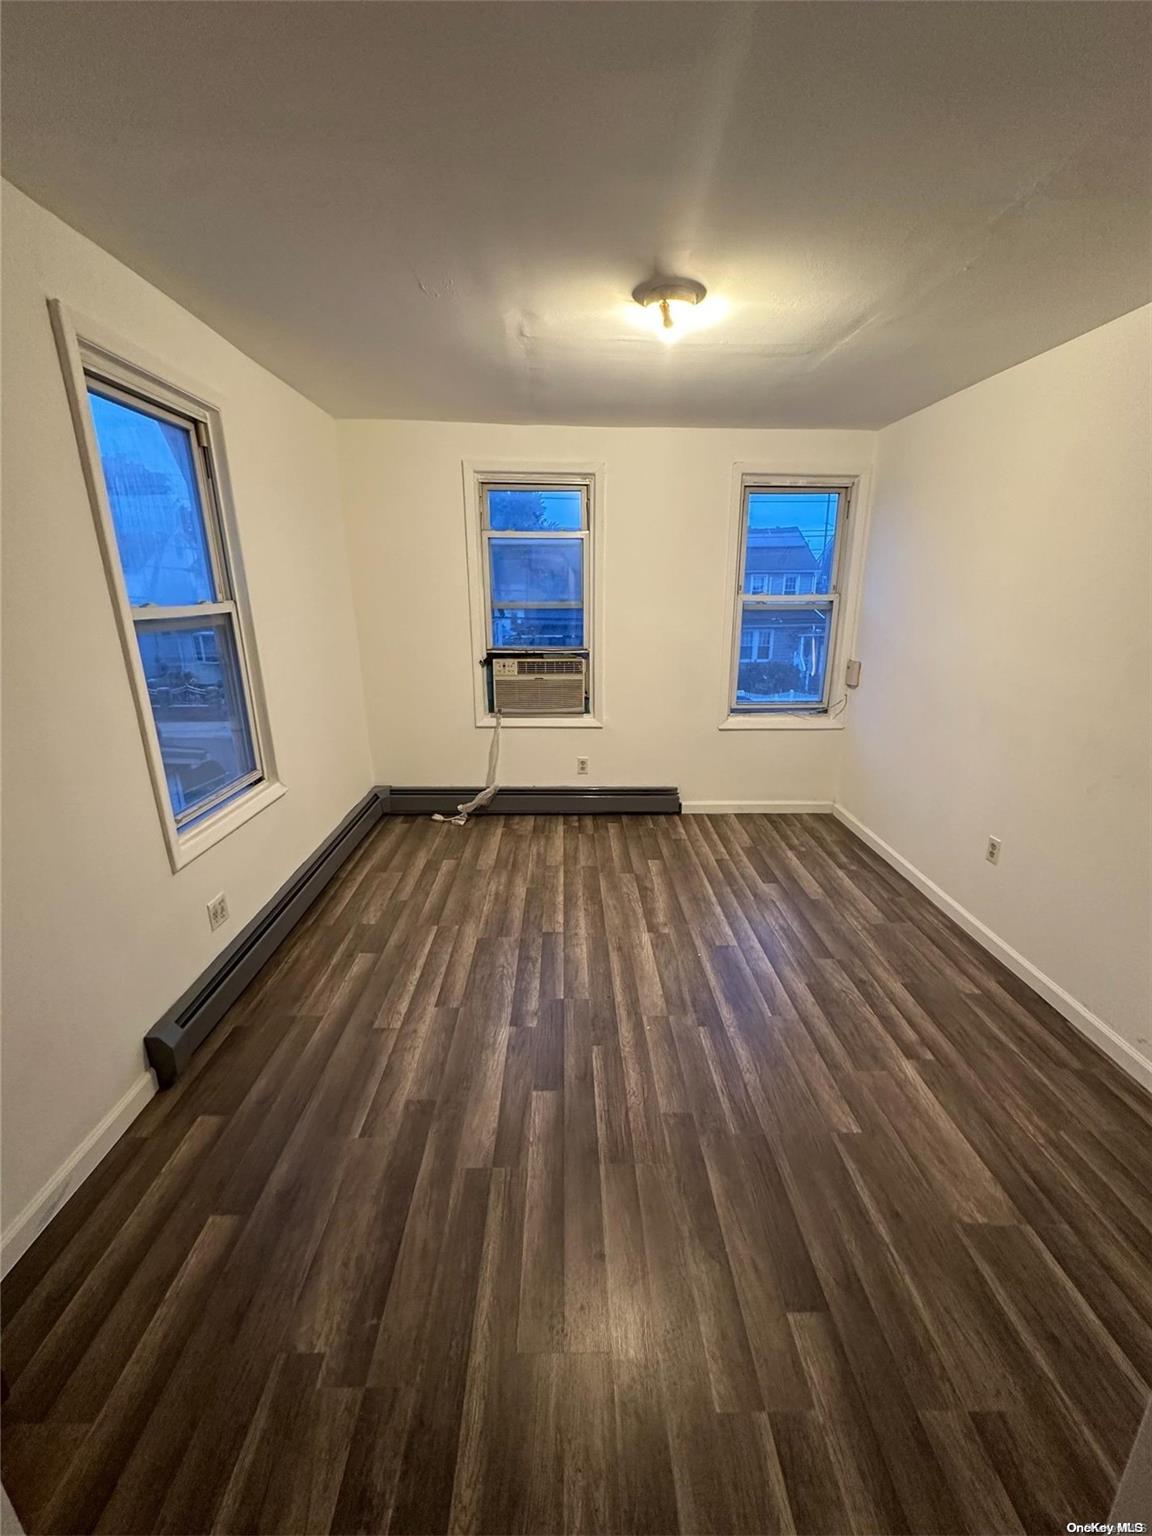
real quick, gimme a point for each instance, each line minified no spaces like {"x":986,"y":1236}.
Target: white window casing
{"x":479,"y":478}
{"x":840,"y":602}
{"x":114,"y":369}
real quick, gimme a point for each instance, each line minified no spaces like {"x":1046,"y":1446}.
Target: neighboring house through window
{"x":787,"y":597}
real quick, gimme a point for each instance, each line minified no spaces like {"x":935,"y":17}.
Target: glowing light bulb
{"x":664,"y":292}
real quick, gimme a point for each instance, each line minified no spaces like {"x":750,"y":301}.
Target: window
{"x":155,"y":482}
{"x":787,"y":597}
{"x":535,"y":559}
{"x":158,"y":479}
{"x":534,"y":566}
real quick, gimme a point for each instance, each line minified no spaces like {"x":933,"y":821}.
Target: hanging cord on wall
{"x":479,"y":801}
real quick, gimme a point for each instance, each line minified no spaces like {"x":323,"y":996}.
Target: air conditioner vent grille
{"x":539,"y":685}
{"x":549,"y":667}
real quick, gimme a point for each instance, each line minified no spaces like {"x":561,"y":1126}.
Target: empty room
{"x":577,"y":767}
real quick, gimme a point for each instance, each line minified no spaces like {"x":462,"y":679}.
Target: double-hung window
{"x":535,"y":561}
{"x":155,"y":486}
{"x":535,"y":565}
{"x":787,"y":596}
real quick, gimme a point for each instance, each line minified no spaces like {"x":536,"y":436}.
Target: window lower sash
{"x":790,"y":663}
{"x":196,"y":814}
{"x":202,"y":715}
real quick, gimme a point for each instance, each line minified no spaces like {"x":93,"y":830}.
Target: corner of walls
{"x":1007,"y":674}
{"x":357,"y":639}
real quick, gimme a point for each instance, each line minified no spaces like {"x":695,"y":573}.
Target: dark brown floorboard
{"x":637,"y":1175}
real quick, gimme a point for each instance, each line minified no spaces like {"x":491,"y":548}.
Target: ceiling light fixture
{"x":664,"y":292}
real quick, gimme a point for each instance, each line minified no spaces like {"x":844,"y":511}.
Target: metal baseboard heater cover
{"x":170,"y":1042}
{"x":529,"y":800}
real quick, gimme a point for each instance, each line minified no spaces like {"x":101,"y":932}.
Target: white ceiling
{"x":439,"y":210}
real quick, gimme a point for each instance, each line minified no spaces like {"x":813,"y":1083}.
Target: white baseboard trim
{"x":756,"y":807}
{"x":1125,"y":1055}
{"x":27,"y":1227}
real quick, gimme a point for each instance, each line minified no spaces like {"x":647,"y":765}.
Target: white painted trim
{"x":234,"y":814}
{"x":1125,"y":1055}
{"x":24,"y":1229}
{"x":542,"y":722}
{"x":813,"y":722}
{"x":756,"y":807}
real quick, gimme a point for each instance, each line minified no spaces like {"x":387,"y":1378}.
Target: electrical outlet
{"x":992,"y":852}
{"x":581,"y":765}
{"x":218,"y":911}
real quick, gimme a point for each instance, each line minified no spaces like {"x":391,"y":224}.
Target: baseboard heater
{"x":170,"y":1042}
{"x":517,"y":800}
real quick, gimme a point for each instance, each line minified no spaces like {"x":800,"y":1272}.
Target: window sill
{"x":783,"y":723}
{"x":182,"y":850}
{"x":543,"y":722}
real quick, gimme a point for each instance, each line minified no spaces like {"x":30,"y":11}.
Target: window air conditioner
{"x":539,"y":685}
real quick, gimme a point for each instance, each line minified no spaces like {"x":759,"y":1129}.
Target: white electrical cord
{"x":490,"y":785}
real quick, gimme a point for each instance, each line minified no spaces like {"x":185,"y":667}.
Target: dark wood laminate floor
{"x":603,"y":1174}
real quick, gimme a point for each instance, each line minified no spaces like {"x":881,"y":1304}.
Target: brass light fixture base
{"x":666,"y":291}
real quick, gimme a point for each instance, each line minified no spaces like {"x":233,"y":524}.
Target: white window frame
{"x":87,"y":351}
{"x":828,"y":713}
{"x":581,"y":536}
{"x":502,"y":475}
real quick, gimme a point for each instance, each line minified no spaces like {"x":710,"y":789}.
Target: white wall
{"x":665,"y":600}
{"x":1007,"y":683}
{"x":100,"y":936}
